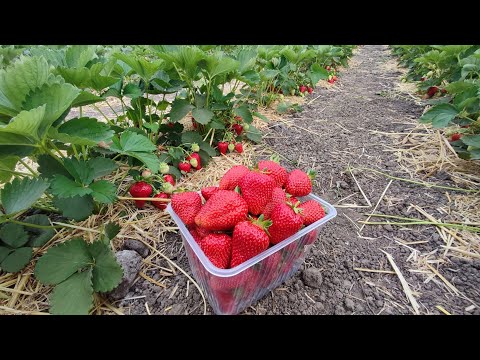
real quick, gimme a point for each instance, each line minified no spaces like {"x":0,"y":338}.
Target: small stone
{"x":177,"y":309}
{"x":379,"y":303}
{"x":339,"y":294}
{"x":137,"y":246}
{"x":319,"y":306}
{"x":312,"y":277}
{"x":359,"y":308}
{"x":339,"y":310}
{"x":292,"y":297}
{"x":349,"y":304}
{"x":388,"y":227}
{"x":342,"y":184}
{"x":130,"y":261}
{"x":347,"y":284}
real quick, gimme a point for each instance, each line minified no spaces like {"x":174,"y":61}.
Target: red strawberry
{"x":169,"y":179}
{"x":278,"y":196}
{"x":311,"y":211}
{"x":292,"y":200}
{"x":299,"y":183}
{"x":257,"y":191}
{"x":274,"y":170}
{"x":432,"y":90}
{"x":334,"y":78}
{"x":187,"y":205}
{"x":160,"y":204}
{"x":249,"y":239}
{"x":238,"y":118}
{"x":311,"y":237}
{"x":456,"y":137}
{"x":230,"y":180}
{"x":328,"y":68}
{"x":330,"y":81}
{"x":222,"y":211}
{"x":196,"y":235}
{"x":170,"y":124}
{"x":310,"y":90}
{"x":422,"y":78}
{"x":239,"y":147}
{"x":202,"y":232}
{"x":185,"y":167}
{"x":208,"y":191}
{"x":195,"y":160}
{"x":141,"y":189}
{"x":222,"y":147}
{"x":302,"y":88}
{"x":218,"y":249}
{"x":194,"y":123}
{"x":285,"y":223}
{"x":238,"y":128}
{"x":444,"y":91}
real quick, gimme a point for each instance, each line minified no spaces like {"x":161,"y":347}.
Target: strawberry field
{"x":97,"y":141}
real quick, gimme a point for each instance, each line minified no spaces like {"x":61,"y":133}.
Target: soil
{"x":340,"y":121}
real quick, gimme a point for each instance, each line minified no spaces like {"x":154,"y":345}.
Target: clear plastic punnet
{"x":229,"y":291}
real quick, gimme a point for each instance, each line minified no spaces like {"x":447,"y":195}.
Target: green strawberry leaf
{"x":102,"y":166}
{"x":63,"y":187}
{"x":133,"y":142}
{"x":17,"y":260}
{"x":107,"y":273}
{"x":74,"y":296}
{"x":472,"y":140}
{"x":316,"y":73}
{"x":48,"y":167}
{"x":61,"y":261}
{"x":13,"y":235}
{"x":21,"y":194}
{"x":132,"y":91}
{"x":103,"y":191}
{"x":440,"y":115}
{"x":77,"y":207}
{"x":87,"y":129}
{"x":260,"y":116}
{"x":7,"y":165}
{"x":180,"y":108}
{"x":244,"y":112}
{"x":86,"y":98}
{"x":4,"y":252}
{"x":80,"y":170}
{"x":111,"y":230}
{"x":190,"y":137}
{"x":38,"y":237}
{"x":253,"y":134}
{"x":202,"y":115}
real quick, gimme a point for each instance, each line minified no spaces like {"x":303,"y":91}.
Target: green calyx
{"x":311,"y":174}
{"x":275,"y":158}
{"x":261,"y":223}
{"x":237,"y":190}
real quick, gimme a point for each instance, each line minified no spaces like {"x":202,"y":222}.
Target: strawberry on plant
{"x":209,"y":191}
{"x":444,"y":91}
{"x":146,"y":174}
{"x":169,"y":178}
{"x":222,"y":211}
{"x":257,"y":191}
{"x":164,"y":168}
{"x":199,"y":160}
{"x":249,"y":239}
{"x":160,"y":204}
{"x":310,"y":90}
{"x":274,"y":170}
{"x":246,"y":127}
{"x":455,"y":137}
{"x":432,"y":90}
{"x":311,"y":211}
{"x":230,"y":180}
{"x":239,"y":148}
{"x":238,"y":118}
{"x":170,"y":124}
{"x":327,"y":68}
{"x":140,"y":189}
{"x":285,"y":222}
{"x":218,"y":249}
{"x":302,"y":89}
{"x":193,"y":161}
{"x":330,"y":81}
{"x":238,"y":128}
{"x":299,"y":183}
{"x":168,"y":188}
{"x":184,"y":167}
{"x":231,"y":147}
{"x":195,"y":148}
{"x":222,"y":147}
{"x":187,"y":205}
{"x":194,"y":123}
{"x":334,"y":78}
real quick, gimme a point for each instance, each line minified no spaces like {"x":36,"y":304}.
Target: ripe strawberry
{"x":187,"y":205}
{"x":195,"y":160}
{"x":202,"y":232}
{"x":195,"y":235}
{"x":278,"y":197}
{"x":222,"y":211}
{"x":238,"y":118}
{"x":257,"y":191}
{"x":456,"y":137}
{"x":218,"y":249}
{"x":292,"y":200}
{"x":311,"y":211}
{"x":422,"y":78}
{"x":334,"y":78}
{"x":328,"y":68}
{"x":160,"y":204}
{"x":302,"y":88}
{"x":444,"y":91}
{"x":432,"y":90}
{"x":208,"y":191}
{"x":299,"y":183}
{"x":231,"y":147}
{"x":184,"y":167}
{"x":311,"y":237}
{"x":238,"y":128}
{"x":249,"y":239}
{"x":310,"y":90}
{"x":230,"y":180}
{"x":169,"y":179}
{"x":274,"y":170}
{"x":285,"y":223}
{"x":194,"y":123}
{"x":239,"y":147}
{"x":141,"y":189}
{"x":170,"y":124}
{"x":222,"y":147}
{"x":330,"y":81}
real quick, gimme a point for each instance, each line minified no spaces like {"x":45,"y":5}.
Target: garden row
{"x":449,"y":76}
{"x":53,"y":164}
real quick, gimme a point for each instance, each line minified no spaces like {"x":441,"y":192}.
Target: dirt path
{"x":342,"y":122}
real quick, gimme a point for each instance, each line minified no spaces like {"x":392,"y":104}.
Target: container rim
{"x":331,"y":212}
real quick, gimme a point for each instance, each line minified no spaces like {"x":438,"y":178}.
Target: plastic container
{"x":229,"y":291}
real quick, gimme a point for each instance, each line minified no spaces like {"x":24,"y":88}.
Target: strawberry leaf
{"x":38,"y":237}
{"x":107,"y":273}
{"x":102,"y":166}
{"x":4,"y":252}
{"x":253,"y":134}
{"x":316,"y":73}
{"x":13,"y":235}
{"x":132,"y":91}
{"x":103,"y":191}
{"x":244,"y":112}
{"x":7,"y":165}
{"x":202,"y":115}
{"x":63,"y":260}
{"x":111,"y":230}
{"x":85,"y":131}
{"x":63,"y":187}
{"x":80,"y":170}
{"x":439,"y":115}
{"x":260,"y":116}
{"x":131,"y":141}
{"x":149,"y":159}
{"x":472,"y":140}
{"x":86,"y":98}
{"x":74,"y":296}
{"x":48,"y":167}
{"x":180,"y":108}
{"x":21,"y":194}
{"x":17,"y":260}
{"x":77,"y":207}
